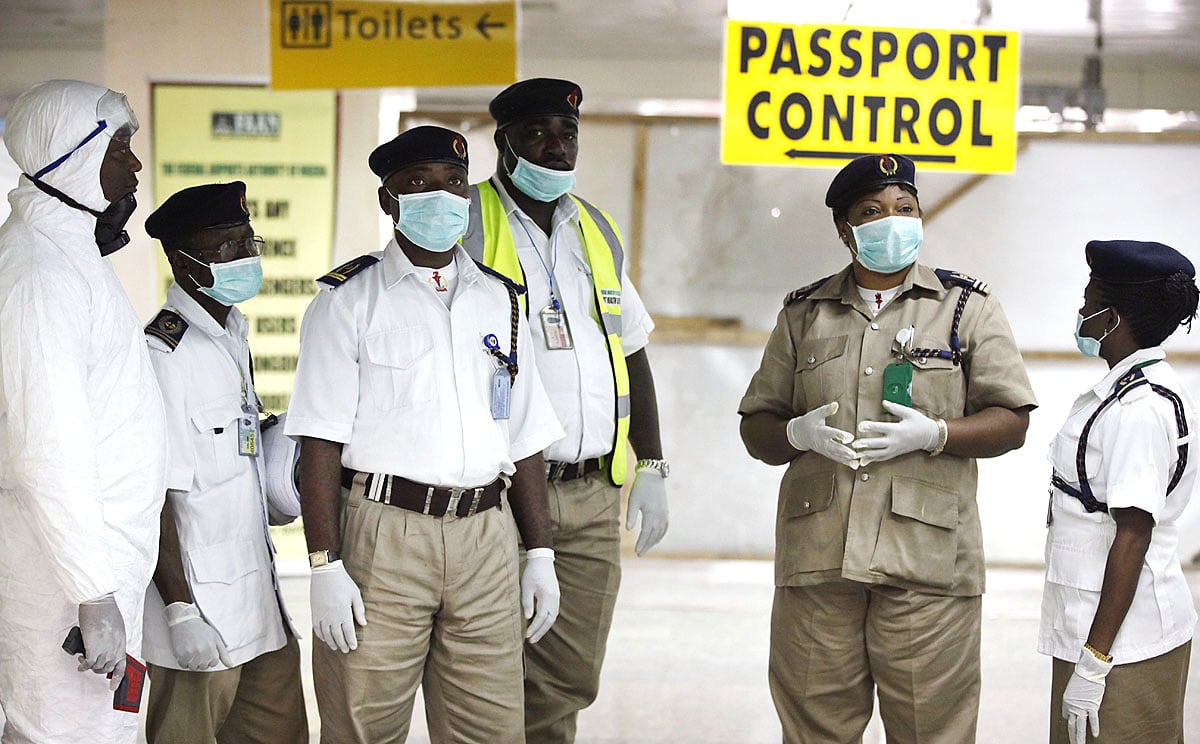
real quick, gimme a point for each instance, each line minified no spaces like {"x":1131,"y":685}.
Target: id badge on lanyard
{"x":248,"y":431}
{"x":554,"y":328}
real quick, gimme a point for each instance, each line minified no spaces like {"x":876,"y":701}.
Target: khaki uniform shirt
{"x":911,"y":521}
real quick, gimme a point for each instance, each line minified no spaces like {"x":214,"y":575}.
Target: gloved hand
{"x":103,"y":631}
{"x":197,"y":645}
{"x":1081,"y":700}
{"x":914,"y":431}
{"x":336,"y":605}
{"x":539,"y":592}
{"x":809,"y":432}
{"x":648,"y":497}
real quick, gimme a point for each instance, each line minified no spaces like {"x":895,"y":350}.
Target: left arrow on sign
{"x":484,"y":24}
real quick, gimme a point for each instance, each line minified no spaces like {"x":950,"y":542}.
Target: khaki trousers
{"x":443,"y":608}
{"x":1142,"y":704}
{"x":834,"y":645}
{"x":259,"y":702}
{"x":562,"y":670}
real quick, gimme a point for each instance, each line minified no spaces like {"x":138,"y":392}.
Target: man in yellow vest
{"x":590,"y":330}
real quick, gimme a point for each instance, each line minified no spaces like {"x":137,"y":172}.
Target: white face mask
{"x":434,"y":220}
{"x":889,"y":244}
{"x":1088,"y":346}
{"x":539,"y":182}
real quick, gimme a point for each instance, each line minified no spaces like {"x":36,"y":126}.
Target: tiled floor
{"x":687,"y":658}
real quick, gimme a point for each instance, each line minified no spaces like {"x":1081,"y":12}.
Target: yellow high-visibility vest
{"x":489,"y":240}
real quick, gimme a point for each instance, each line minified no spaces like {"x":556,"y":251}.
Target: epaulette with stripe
{"x":805,"y":291}
{"x":339,"y":276}
{"x":168,"y":326}
{"x":518,"y":288}
{"x":953,"y":277}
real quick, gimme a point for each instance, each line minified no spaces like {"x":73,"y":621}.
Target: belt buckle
{"x":455,"y":495}
{"x":555,"y":470}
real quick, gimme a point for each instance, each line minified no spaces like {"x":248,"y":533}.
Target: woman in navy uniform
{"x":1117,"y":612}
{"x":879,"y":557}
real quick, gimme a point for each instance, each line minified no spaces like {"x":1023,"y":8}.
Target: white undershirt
{"x":877,"y":299}
{"x":442,"y":281}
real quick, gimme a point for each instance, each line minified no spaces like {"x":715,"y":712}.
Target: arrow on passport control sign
{"x":483,"y":25}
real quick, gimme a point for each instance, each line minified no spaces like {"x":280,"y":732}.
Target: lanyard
{"x":553,"y":261}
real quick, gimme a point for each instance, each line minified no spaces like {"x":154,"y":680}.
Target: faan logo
{"x":246,"y":123}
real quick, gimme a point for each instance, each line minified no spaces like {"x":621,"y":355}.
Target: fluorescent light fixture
{"x":1061,"y":16}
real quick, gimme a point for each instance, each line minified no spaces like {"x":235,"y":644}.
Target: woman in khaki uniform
{"x":879,"y":557}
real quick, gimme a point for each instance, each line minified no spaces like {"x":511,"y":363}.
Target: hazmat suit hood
{"x":58,"y":133}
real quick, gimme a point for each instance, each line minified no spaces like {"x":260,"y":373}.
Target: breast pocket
{"x":939,"y":386}
{"x":397,"y":370}
{"x":216,"y":425}
{"x":820,"y":372}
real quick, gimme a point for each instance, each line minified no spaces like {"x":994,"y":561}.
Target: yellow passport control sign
{"x":384,"y":44}
{"x":823,"y":94}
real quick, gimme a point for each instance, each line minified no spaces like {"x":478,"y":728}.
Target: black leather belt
{"x":565,"y":471}
{"x":432,"y":500}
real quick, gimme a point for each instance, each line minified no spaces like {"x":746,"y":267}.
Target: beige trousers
{"x":443,"y":609}
{"x":259,"y":702}
{"x":1142,"y":704}
{"x":834,"y":645}
{"x":562,"y":670}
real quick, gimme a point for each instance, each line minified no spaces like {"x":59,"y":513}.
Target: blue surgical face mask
{"x":889,"y":244}
{"x":1088,"y":346}
{"x":233,"y":281}
{"x":538,"y":182}
{"x":434,"y":220}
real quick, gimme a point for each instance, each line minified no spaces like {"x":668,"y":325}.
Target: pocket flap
{"x":400,"y":347}
{"x":814,"y":353}
{"x":223,"y":563}
{"x":808,"y":494}
{"x":933,"y":362}
{"x":218,"y":414}
{"x":924,"y":503}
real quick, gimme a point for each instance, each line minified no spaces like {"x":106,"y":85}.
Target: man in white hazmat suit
{"x":81,"y":423}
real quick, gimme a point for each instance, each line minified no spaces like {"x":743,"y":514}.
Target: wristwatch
{"x":319,"y":558}
{"x":660,"y":465}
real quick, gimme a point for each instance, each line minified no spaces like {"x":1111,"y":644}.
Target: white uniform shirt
{"x":216,"y":494}
{"x":405,"y":383}
{"x":1131,"y":455}
{"x":579,"y":381}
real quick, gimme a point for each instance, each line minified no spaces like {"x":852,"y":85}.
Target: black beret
{"x":1135,"y":261}
{"x":426,"y":144}
{"x":536,"y":97}
{"x":199,"y":208}
{"x":867,"y":174}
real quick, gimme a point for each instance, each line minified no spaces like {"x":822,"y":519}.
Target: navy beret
{"x":199,"y":208}
{"x":426,"y":144}
{"x":1135,"y":261}
{"x":867,"y":174}
{"x":536,"y":97}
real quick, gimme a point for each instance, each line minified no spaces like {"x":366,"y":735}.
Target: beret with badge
{"x":867,"y":174}
{"x":1135,"y":261}
{"x":197,"y":208}
{"x":424,"y":144}
{"x":536,"y":97}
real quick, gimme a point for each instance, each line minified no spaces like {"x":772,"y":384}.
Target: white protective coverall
{"x":82,"y":435}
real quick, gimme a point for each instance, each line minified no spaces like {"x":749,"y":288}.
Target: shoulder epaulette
{"x":805,"y":291}
{"x":953,"y":277}
{"x":518,"y":288}
{"x":339,"y":276}
{"x":1129,"y":381}
{"x":168,"y":326}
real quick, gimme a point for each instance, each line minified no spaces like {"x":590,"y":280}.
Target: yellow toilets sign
{"x":383,"y":44}
{"x":823,"y":94}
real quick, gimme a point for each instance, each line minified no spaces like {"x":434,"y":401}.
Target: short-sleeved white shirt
{"x":579,"y":381}
{"x":1131,"y":455}
{"x":405,"y":383}
{"x":215,"y":493}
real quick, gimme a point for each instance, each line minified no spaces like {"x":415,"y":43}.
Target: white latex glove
{"x":197,"y":645}
{"x":539,"y":592}
{"x":648,"y":497}
{"x":914,"y":431}
{"x":103,"y":631}
{"x":336,"y":605}
{"x":1081,"y":700}
{"x":809,"y":432}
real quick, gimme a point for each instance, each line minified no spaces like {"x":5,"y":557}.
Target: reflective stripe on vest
{"x":489,"y":240}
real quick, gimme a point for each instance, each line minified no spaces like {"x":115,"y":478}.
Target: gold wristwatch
{"x":319,"y":558}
